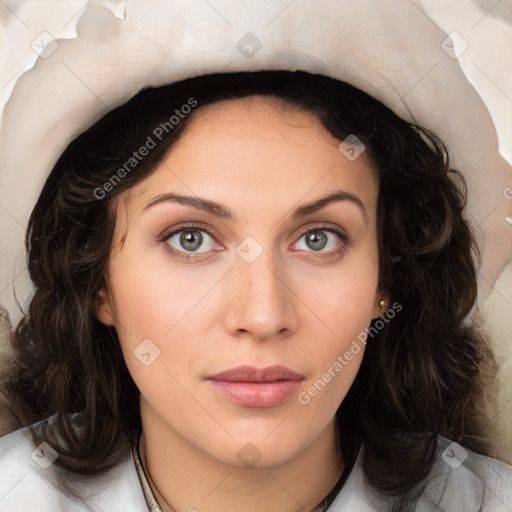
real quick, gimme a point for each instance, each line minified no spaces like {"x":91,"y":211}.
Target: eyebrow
{"x":220,"y":210}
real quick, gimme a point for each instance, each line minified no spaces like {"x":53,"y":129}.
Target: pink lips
{"x":257,"y":387}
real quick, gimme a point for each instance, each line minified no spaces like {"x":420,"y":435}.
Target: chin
{"x":260,"y":448}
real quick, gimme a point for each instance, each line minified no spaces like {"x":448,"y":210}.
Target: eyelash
{"x":346,"y":241}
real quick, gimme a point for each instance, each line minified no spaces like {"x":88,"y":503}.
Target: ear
{"x":382,"y":303}
{"x":104,"y":310}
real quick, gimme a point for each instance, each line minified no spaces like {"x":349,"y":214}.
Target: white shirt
{"x":460,"y":481}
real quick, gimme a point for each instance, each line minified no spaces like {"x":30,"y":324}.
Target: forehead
{"x":257,"y":152}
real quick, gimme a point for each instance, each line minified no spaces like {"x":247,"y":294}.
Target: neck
{"x":184,"y":478}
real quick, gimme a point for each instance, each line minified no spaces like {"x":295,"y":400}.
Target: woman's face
{"x":253,"y":276}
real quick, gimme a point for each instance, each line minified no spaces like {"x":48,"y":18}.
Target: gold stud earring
{"x":382,"y":303}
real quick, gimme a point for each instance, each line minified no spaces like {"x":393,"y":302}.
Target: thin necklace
{"x":151,"y":501}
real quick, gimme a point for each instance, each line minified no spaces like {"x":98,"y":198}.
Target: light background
{"x":485,"y":24}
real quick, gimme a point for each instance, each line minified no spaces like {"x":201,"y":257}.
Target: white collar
{"x":352,"y":495}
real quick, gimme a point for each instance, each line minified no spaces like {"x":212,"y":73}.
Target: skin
{"x":292,"y":306}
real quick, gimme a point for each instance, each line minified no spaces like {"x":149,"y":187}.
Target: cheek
{"x":153,"y":296}
{"x":343,"y":300}
{"x":335,"y":361}
{"x":342,"y":304}
{"x":159,"y":311}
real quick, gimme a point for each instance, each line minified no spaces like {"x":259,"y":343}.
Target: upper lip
{"x":247,"y":373}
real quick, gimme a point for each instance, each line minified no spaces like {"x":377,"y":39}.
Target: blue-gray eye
{"x":319,"y":239}
{"x":190,"y":240}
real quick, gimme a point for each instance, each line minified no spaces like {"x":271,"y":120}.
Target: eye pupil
{"x":195,"y":238}
{"x":318,"y":240}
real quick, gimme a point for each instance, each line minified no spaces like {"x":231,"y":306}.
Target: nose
{"x":262,"y":303}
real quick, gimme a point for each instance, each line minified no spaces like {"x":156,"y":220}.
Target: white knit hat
{"x":390,"y":50}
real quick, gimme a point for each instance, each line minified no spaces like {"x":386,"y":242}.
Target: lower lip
{"x":257,"y":394}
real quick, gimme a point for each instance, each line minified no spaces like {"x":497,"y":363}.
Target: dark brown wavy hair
{"x":422,"y":373}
